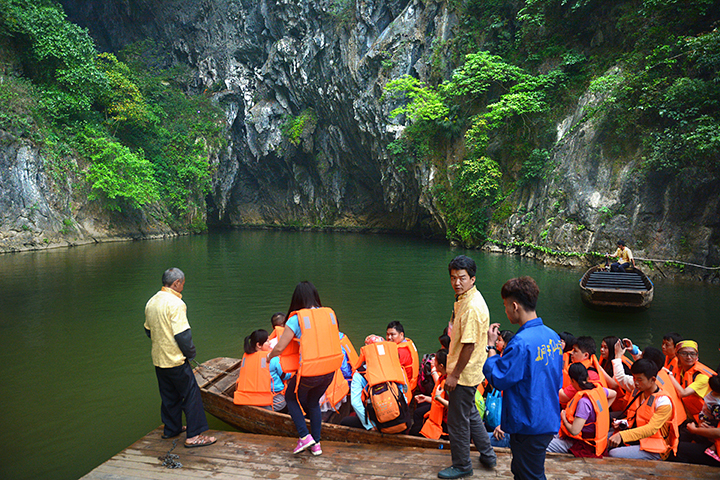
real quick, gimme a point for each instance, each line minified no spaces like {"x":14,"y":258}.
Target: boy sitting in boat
{"x":583,"y":352}
{"x":624,"y":256}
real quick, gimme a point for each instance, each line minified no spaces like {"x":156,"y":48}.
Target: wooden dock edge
{"x":243,"y":455}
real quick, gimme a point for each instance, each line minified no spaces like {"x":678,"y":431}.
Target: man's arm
{"x":465,"y":353}
{"x":660,"y":417}
{"x":185,"y":342}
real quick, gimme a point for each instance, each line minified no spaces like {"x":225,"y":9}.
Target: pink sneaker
{"x":304,"y":443}
{"x":316,"y":450}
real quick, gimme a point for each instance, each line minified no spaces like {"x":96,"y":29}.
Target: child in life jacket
{"x":706,"y":433}
{"x":425,"y":403}
{"x":260,"y":383}
{"x":582,"y":352}
{"x":586,"y":420}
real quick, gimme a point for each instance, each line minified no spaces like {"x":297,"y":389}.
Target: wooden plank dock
{"x":243,"y":455}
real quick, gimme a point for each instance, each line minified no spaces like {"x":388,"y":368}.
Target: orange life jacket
{"x":694,"y":402}
{"x":337,"y":390}
{"x":623,"y":396}
{"x":672,"y":365}
{"x":589,"y":363}
{"x":432,"y":428}
{"x":382,"y":363}
{"x":641,"y":415}
{"x":318,"y":350}
{"x":413,"y":370}
{"x":350,"y":351}
{"x":254,"y":383}
{"x":663,"y":381}
{"x":276,"y":333}
{"x":598,"y":399}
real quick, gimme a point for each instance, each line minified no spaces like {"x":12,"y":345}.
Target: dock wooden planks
{"x":243,"y":455}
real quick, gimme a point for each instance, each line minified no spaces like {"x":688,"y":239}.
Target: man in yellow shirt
{"x":624,"y":256}
{"x":172,"y":349}
{"x":468,"y":333}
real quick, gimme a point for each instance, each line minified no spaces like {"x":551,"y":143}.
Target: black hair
{"x":569,"y":340}
{"x":463,"y":262}
{"x":445,"y":341}
{"x":579,"y":373}
{"x":606,"y":363}
{"x":586,"y":344}
{"x":251,"y":341}
{"x":277,"y":319}
{"x":441,"y":357}
{"x":714,"y":383}
{"x":523,"y":290}
{"x":397,"y":326}
{"x":304,"y":296}
{"x":506,"y":335}
{"x":621,"y":242}
{"x":645,"y":367}
{"x":654,"y":355}
{"x":171,"y":275}
{"x":675,"y":337}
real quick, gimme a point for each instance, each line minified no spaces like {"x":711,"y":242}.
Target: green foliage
{"x":426,"y":102}
{"x":535,"y":167}
{"x":294,"y":126}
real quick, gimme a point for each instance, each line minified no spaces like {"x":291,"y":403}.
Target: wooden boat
{"x":217,"y":379}
{"x":631,"y":289}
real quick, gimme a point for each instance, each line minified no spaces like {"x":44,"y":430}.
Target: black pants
{"x":179,"y":392}
{"x":528,"y":455}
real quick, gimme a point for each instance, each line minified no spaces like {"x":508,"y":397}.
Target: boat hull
{"x":614,"y":290}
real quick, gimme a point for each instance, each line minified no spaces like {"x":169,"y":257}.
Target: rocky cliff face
{"x":301,"y":84}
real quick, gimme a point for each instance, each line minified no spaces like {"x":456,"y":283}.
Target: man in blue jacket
{"x":529,"y":373}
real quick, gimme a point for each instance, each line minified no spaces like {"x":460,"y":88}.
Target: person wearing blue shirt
{"x":529,"y":373}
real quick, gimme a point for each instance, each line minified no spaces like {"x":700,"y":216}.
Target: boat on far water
{"x":602,"y":289}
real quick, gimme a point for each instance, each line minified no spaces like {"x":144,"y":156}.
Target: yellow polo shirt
{"x":165,"y":317}
{"x":471,"y":320}
{"x":624,"y":255}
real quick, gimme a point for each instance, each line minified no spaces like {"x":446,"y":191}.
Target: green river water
{"x":78,"y":384}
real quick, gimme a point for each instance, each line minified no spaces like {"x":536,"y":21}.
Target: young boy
{"x":583,"y":352}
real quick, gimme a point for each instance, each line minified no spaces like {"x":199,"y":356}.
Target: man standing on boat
{"x":172,"y":349}
{"x":624,"y":256}
{"x":529,"y":373}
{"x":469,"y":326}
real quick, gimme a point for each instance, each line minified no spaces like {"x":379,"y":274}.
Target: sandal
{"x":165,"y":437}
{"x":200,"y":441}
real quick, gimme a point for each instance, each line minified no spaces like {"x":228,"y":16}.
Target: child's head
{"x":714,"y":384}
{"x":579,"y":374}
{"x":278,"y":319}
{"x":503,"y":339}
{"x":583,"y":349}
{"x":445,"y":341}
{"x":644,"y":372}
{"x":441,"y":361}
{"x":256,"y":341}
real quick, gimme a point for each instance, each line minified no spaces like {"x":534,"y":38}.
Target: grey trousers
{"x":464,"y":424}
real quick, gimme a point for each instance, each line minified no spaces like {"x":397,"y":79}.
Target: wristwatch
{"x":490,"y":347}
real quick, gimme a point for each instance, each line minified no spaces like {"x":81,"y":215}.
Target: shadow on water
{"x":78,"y":382}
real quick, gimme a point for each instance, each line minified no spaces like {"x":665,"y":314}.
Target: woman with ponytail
{"x":260,"y":382}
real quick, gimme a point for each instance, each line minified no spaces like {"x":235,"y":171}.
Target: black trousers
{"x":528,"y":455}
{"x":179,"y":392}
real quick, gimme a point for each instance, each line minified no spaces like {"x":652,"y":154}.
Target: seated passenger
{"x":378,"y":366}
{"x":694,"y":377}
{"x":502,"y":340}
{"x":432,"y":408}
{"x":669,"y":344}
{"x":583,"y":352}
{"x":260,"y":383}
{"x":624,"y":258}
{"x":278,"y":324}
{"x":706,"y":434}
{"x":607,"y":355}
{"x":650,"y":419}
{"x":586,"y":420}
{"x":407,"y":352}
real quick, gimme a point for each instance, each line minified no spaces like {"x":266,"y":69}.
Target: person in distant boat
{"x":167,"y":326}
{"x":466,"y":357}
{"x":529,"y":373}
{"x":624,"y":256}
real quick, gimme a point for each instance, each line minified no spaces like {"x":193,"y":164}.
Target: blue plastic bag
{"x":493,"y":409}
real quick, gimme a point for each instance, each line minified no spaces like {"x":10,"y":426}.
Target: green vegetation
{"x":653,"y":64}
{"x":138,"y":135}
{"x":294,"y":126}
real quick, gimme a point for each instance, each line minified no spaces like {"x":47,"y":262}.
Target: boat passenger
{"x":586,"y":420}
{"x":669,"y":343}
{"x":650,"y":419}
{"x":377,"y":364}
{"x":432,"y":408}
{"x":624,"y":256}
{"x":260,"y":383}
{"x":502,"y":340}
{"x":444,"y":340}
{"x":706,"y":434}
{"x":278,"y":325}
{"x":309,"y":344}
{"x":408,"y":354}
{"x":607,"y":355}
{"x":583,"y":352}
{"x":694,"y":378}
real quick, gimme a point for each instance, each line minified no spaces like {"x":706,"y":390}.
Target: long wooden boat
{"x":631,"y":289}
{"x":217,"y":379}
